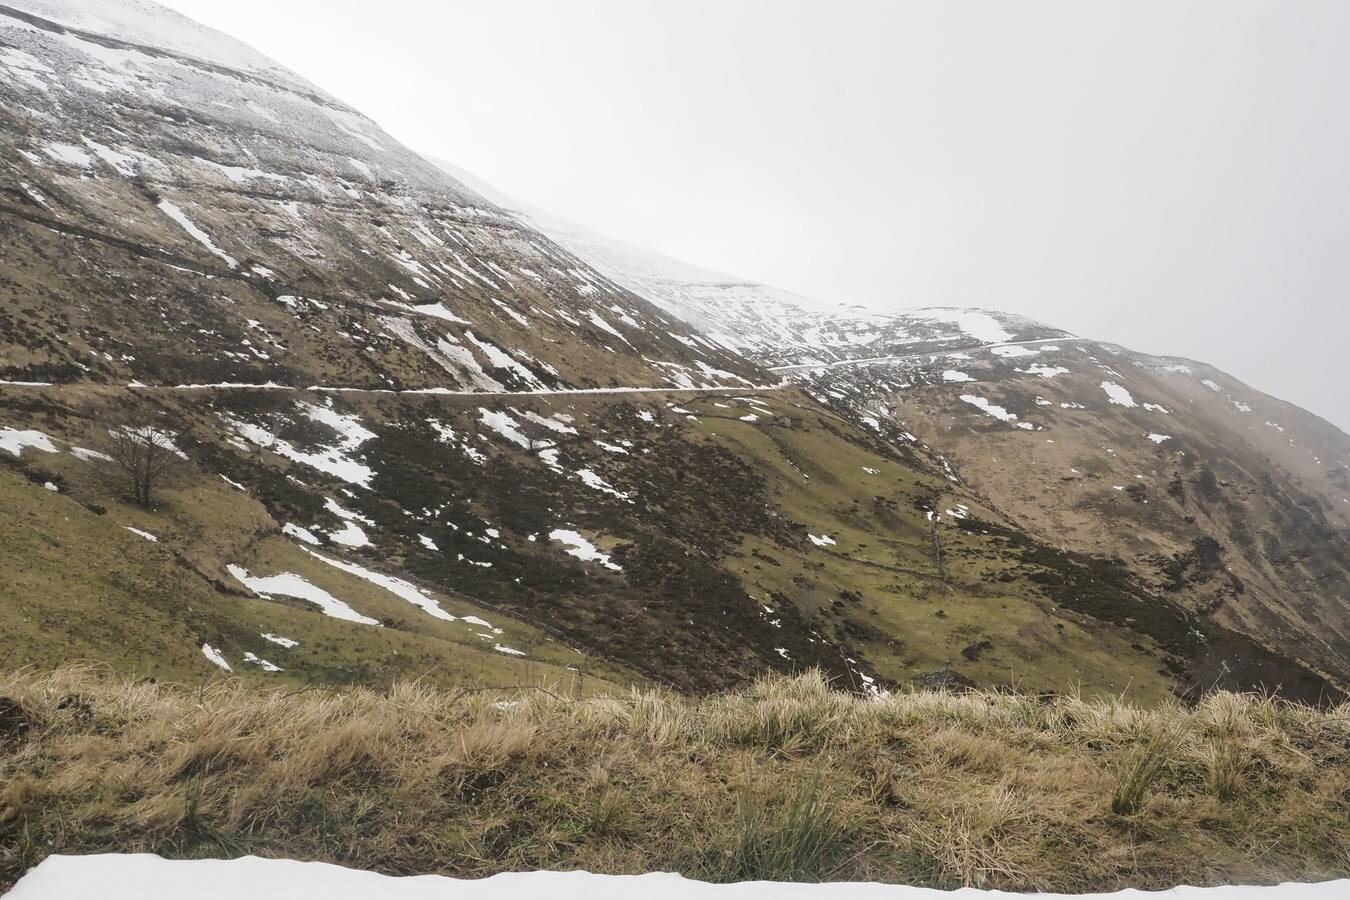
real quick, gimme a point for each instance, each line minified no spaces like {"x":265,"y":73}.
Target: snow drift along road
{"x":148,"y":877}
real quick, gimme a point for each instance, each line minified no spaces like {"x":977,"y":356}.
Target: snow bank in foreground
{"x":146,"y":877}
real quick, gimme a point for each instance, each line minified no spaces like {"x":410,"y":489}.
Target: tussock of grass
{"x":786,"y":779}
{"x":1139,"y":771}
{"x":797,"y":842}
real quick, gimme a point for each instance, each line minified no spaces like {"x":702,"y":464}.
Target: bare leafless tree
{"x":143,"y":454}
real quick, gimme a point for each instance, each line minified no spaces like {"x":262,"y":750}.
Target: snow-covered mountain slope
{"x":776,"y":327}
{"x":276,"y":209}
{"x":1232,"y":501}
{"x":139,"y":25}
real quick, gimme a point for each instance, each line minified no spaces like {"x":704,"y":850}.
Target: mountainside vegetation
{"x":693,"y":541}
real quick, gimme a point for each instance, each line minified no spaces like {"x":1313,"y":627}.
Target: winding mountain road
{"x":425,"y":392}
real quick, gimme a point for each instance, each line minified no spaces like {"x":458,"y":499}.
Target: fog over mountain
{"x":1166,"y":177}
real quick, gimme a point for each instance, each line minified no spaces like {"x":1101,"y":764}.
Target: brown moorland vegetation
{"x":786,"y":779}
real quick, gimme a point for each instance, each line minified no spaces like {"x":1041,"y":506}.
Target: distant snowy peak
{"x":772,"y":326}
{"x":147,"y":24}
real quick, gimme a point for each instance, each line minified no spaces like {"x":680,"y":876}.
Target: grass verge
{"x":786,"y":779}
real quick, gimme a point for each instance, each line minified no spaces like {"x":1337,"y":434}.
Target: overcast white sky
{"x":1173,"y":176}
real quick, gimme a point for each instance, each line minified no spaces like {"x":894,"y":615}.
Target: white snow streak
{"x":173,"y":212}
{"x":289,"y":584}
{"x":215,"y":657}
{"x":148,"y":877}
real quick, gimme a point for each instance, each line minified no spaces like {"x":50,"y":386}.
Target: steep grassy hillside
{"x":419,"y":438}
{"x":1231,"y":502}
{"x":785,"y":780}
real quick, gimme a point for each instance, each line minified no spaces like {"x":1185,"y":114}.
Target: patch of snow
{"x":122,"y":162}
{"x":952,"y":376}
{"x":15,"y":440}
{"x":263,"y":664}
{"x":397,"y":586}
{"x":582,"y":549}
{"x":173,"y":212}
{"x":69,"y":154}
{"x":349,"y":426}
{"x":1044,"y":371}
{"x":821,"y":540}
{"x":286,"y":642}
{"x":549,"y":458}
{"x":239,"y":174}
{"x":1118,"y":395}
{"x":332,"y":461}
{"x":26,"y":67}
{"x":87,"y":455}
{"x":145,"y":534}
{"x":289,"y":584}
{"x":600,"y":323}
{"x":594,"y":481}
{"x":1159,"y":438}
{"x":505,"y":426}
{"x":303,"y":534}
{"x":215,"y":657}
{"x":1013,"y":351}
{"x":500,"y":359}
{"x":996,"y":411}
{"x":552,"y":423}
{"x":351,"y":535}
{"x":979,"y":325}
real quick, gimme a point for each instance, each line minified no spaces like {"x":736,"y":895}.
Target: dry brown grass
{"x":786,"y":779}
